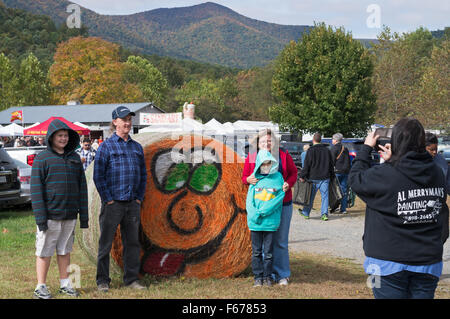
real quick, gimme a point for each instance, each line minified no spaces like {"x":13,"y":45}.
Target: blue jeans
{"x":406,"y":285}
{"x":321,"y":185}
{"x":281,"y":267}
{"x":342,"y":178}
{"x":262,"y":247}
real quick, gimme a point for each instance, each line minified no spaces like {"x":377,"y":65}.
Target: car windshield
{"x":4,"y":157}
{"x":21,"y":164}
{"x":294,"y":148}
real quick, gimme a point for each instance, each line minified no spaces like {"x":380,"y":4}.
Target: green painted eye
{"x":177,"y":176}
{"x":204,"y":178}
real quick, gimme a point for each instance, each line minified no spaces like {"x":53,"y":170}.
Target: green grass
{"x":313,"y":276}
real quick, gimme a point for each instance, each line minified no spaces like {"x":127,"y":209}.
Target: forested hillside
{"x":22,"y":32}
{"x":207,"y":32}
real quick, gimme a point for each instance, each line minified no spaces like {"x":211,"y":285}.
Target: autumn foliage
{"x":89,"y":70}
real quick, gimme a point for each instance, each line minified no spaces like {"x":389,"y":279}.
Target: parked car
{"x":446,"y":154}
{"x":295,"y":149}
{"x":25,"y":154}
{"x":24,"y":174}
{"x":9,"y":183}
{"x":444,"y":147}
{"x":354,"y":145}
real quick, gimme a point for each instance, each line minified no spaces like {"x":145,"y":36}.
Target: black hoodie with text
{"x":405,"y":210}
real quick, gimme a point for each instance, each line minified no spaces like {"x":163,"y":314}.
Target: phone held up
{"x":385,"y":137}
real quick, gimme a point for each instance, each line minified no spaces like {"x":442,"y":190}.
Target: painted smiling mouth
{"x":168,"y":262}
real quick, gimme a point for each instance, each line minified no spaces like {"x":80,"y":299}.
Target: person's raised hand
{"x":371,"y":139}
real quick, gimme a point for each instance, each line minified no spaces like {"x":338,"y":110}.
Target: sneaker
{"x":69,"y":291}
{"x":304,"y":216}
{"x":283,"y":282}
{"x":258,"y":283}
{"x":267,"y":282}
{"x":42,"y":292}
{"x":324,"y":217}
{"x":103,"y":287}
{"x":136,"y":285}
{"x":344,"y":212}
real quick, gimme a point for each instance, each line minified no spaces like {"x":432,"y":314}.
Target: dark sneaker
{"x":42,"y":293}
{"x":258,"y":283}
{"x":267,"y":282}
{"x":103,"y":287}
{"x":136,"y":285}
{"x":69,"y":291}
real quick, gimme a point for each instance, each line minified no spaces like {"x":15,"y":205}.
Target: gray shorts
{"x":59,"y":236}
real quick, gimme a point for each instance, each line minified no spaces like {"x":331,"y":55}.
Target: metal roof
{"x":84,"y":113}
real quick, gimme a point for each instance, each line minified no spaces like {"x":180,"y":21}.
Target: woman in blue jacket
{"x":264,"y":206}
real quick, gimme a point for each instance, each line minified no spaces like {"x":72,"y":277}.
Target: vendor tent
{"x":214,"y":127}
{"x":12,"y":129}
{"x":42,"y":128}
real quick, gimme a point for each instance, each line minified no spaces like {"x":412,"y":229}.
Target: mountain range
{"x":207,"y":32}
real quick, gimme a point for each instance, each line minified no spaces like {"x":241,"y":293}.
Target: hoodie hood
{"x":74,"y":138}
{"x":417,"y":167}
{"x":263,"y":156}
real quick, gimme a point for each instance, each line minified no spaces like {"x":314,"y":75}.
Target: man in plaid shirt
{"x":120,"y":176}
{"x":87,"y":154}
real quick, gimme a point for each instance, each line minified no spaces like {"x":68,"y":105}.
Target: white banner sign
{"x":161,"y":118}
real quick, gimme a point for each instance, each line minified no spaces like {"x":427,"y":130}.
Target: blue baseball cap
{"x":121,"y":111}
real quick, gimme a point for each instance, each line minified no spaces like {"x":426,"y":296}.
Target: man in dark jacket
{"x":58,"y":196}
{"x":341,"y":162}
{"x":318,"y":169}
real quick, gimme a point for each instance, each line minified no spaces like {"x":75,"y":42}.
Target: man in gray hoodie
{"x":58,"y":196}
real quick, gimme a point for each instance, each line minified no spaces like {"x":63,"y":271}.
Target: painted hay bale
{"x":193,"y":219}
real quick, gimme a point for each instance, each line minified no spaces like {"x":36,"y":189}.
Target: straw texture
{"x":193,"y":219}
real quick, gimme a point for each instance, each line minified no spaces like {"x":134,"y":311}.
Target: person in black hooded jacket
{"x":405,"y":212}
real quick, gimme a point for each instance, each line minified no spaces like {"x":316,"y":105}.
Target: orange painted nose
{"x":184,"y":216}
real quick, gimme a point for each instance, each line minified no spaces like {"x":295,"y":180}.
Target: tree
{"x":323,"y":83}
{"x":148,"y":78}
{"x":213,"y":99}
{"x":32,"y":87}
{"x":399,"y":67}
{"x":89,"y":70}
{"x":7,"y":83}
{"x":433,"y":96}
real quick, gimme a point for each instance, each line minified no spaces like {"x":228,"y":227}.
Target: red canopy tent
{"x":42,"y":128}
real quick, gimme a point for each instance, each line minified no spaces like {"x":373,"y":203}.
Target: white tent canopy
{"x":37,"y":123}
{"x":12,"y":129}
{"x":213,"y":127}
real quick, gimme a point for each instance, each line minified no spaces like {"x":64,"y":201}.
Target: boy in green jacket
{"x":264,"y":205}
{"x":58,"y":197}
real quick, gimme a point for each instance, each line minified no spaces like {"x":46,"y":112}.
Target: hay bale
{"x":193,"y":219}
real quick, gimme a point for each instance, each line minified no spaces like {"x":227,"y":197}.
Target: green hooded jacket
{"x":265,"y":198}
{"x":58,"y":183}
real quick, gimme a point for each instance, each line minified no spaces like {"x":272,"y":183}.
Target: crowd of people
{"x":22,"y":141}
{"x":406,"y":223}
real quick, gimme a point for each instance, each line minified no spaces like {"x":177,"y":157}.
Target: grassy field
{"x":313,"y":276}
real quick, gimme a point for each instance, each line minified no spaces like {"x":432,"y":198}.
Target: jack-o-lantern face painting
{"x":193,"y":219}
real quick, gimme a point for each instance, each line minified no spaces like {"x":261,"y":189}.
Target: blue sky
{"x":353,"y":15}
